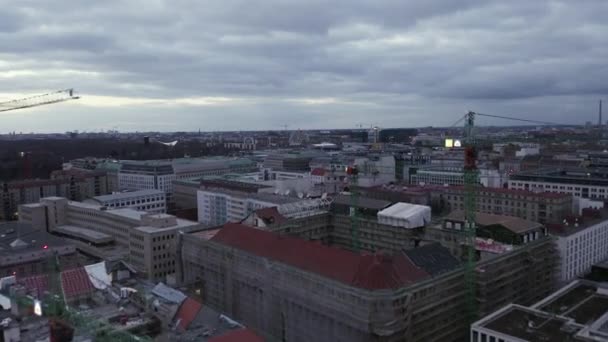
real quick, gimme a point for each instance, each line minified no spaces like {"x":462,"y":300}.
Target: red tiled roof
{"x":76,"y":282}
{"x":317,"y":172}
{"x":36,"y":285}
{"x":239,"y":335}
{"x":187,"y":312}
{"x":371,"y":272}
{"x":271,"y":215}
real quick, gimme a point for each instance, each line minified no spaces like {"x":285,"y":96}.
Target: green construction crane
{"x":353,"y":172}
{"x":471,"y":181}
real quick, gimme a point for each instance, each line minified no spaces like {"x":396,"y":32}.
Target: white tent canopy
{"x":405,"y":215}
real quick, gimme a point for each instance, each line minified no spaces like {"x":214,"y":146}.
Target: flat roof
{"x":85,"y":233}
{"x":589,"y":176}
{"x":81,"y":204}
{"x":19,"y":237}
{"x":512,"y":223}
{"x":581,"y":301}
{"x":362,"y":202}
{"x":128,"y":213}
{"x":265,"y":197}
{"x":530,"y":325}
{"x":128,"y":194}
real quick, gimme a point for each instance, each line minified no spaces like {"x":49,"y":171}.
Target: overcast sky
{"x":231,"y":64}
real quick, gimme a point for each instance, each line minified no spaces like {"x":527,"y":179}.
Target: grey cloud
{"x":391,"y":60}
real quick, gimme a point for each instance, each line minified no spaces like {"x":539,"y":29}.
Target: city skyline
{"x":160,"y":66}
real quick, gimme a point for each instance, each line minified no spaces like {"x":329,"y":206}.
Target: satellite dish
{"x":300,"y":195}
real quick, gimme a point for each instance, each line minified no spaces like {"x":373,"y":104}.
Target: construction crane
{"x":39,"y":100}
{"x":471,"y":183}
{"x":353,"y":173}
{"x":471,"y":180}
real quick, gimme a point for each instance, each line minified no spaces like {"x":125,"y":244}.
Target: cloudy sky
{"x":232,"y":64}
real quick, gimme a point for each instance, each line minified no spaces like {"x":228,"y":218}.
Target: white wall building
{"x":580,"y":183}
{"x":581,"y":247}
{"x":151,"y":201}
{"x":218,"y":206}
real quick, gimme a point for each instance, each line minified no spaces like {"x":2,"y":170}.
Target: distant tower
{"x":600,"y":113}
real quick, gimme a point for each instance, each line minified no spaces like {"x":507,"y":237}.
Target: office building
{"x":289,"y":161}
{"x":151,"y":201}
{"x":542,"y":207}
{"x":146,"y":175}
{"x":160,"y":174}
{"x":581,"y":242}
{"x":576,"y":312}
{"x":145,"y":240}
{"x":585,"y":183}
{"x":218,"y":206}
{"x":451,"y":175}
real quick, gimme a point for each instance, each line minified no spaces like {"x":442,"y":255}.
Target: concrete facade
{"x":148,"y":238}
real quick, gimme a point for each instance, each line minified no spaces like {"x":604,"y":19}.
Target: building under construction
{"x":276,"y":281}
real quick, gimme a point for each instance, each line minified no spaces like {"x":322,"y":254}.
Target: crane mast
{"x":471,"y":181}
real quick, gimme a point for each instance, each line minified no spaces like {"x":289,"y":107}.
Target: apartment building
{"x":544,"y":207}
{"x":160,"y":174}
{"x":148,"y":239}
{"x":324,"y":293}
{"x":581,"y":242}
{"x":576,"y":312}
{"x":151,"y":201}
{"x":584,"y":183}
{"x":75,"y":185}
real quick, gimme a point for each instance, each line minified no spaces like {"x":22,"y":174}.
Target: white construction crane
{"x":39,"y":100}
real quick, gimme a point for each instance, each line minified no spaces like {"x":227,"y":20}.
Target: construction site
{"x":370,"y":270}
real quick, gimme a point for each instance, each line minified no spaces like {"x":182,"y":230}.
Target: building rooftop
{"x":128,"y":194}
{"x":514,"y":192}
{"x":232,"y":185}
{"x":574,"y":224}
{"x":574,"y":312}
{"x":372,"y":272}
{"x":84,"y":233}
{"x":433,"y":258}
{"x":362,"y":202}
{"x":515,"y":224}
{"x":582,"y":301}
{"x":264,"y":197}
{"x":18,"y":237}
{"x":128,"y":213}
{"x":207,"y":234}
{"x":84,"y":205}
{"x":587,"y":176}
{"x":169,"y":294}
{"x":531,"y":325}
